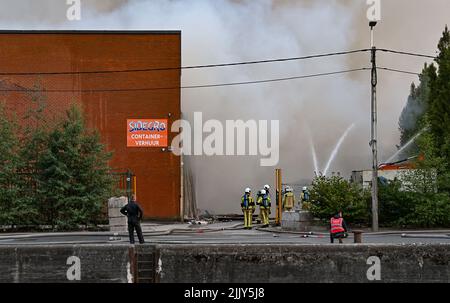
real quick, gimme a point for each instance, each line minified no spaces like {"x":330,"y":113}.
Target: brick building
{"x":115,"y":76}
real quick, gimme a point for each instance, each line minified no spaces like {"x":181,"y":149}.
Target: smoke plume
{"x":219,"y":31}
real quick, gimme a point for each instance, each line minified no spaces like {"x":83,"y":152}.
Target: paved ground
{"x":230,"y":232}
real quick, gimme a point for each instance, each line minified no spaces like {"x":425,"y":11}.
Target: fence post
{"x":129,"y":184}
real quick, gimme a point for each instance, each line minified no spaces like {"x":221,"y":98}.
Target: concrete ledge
{"x":54,"y":263}
{"x":230,"y":263}
{"x":296,"y":221}
{"x":303,"y":263}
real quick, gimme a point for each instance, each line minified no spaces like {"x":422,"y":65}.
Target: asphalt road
{"x":214,"y":235}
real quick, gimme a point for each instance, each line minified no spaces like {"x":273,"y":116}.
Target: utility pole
{"x":278,"y":211}
{"x":373,"y":142}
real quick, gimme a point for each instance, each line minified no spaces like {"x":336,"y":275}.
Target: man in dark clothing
{"x":338,"y":228}
{"x":134,"y":213}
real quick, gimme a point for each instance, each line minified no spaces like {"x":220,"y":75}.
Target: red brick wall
{"x":158,"y":172}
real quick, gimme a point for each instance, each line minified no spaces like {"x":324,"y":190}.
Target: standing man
{"x":248,"y":207}
{"x":264,"y":207}
{"x":288,"y":199}
{"x":338,"y":228}
{"x":134,"y":213}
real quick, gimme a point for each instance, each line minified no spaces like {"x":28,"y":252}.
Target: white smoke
{"x":219,"y":31}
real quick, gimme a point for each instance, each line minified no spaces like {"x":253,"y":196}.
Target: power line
{"x":398,"y":71}
{"x":278,"y":60}
{"x":211,"y":65}
{"x":406,"y":53}
{"x":278,"y":79}
{"x":184,"y":87}
{"x":186,"y":67}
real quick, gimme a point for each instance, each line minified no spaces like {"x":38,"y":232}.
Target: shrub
{"x":413,"y":208}
{"x":329,"y":195}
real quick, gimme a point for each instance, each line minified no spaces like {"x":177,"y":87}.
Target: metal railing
{"x":125,"y":182}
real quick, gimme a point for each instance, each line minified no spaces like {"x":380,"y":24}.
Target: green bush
{"x":431,"y":211}
{"x":394,"y":204}
{"x":329,"y":195}
{"x":56,"y":174}
{"x":413,"y":208}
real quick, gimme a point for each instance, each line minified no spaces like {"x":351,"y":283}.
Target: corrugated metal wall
{"x":109,"y":99}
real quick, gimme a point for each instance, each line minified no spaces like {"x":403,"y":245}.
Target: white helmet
{"x":305,"y":188}
{"x":248,"y":190}
{"x":288,"y":189}
{"x":263,"y":191}
{"x":266,"y":187}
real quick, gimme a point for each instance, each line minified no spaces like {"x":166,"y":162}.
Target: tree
{"x":73,"y":174}
{"x":395,"y":203}
{"x":412,"y":119}
{"x":413,"y":208}
{"x":329,"y":195}
{"x":8,"y":164}
{"x":34,"y":133}
{"x":428,"y":112}
{"x":439,"y":102}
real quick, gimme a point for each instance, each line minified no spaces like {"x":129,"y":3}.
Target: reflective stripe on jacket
{"x":247,"y":202}
{"x":288,"y":200}
{"x":264,"y":201}
{"x":336,"y":225}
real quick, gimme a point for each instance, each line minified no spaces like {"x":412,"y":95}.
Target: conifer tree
{"x":74,"y":176}
{"x":439,"y":101}
{"x":8,"y":164}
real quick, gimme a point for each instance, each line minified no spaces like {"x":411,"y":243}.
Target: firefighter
{"x":248,"y":208}
{"x":266,"y":188}
{"x":338,"y":228}
{"x":304,"y":196}
{"x":264,"y":207}
{"x":134,"y":213}
{"x":288,"y":199}
{"x":259,"y":219}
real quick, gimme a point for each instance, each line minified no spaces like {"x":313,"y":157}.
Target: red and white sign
{"x":146,"y":132}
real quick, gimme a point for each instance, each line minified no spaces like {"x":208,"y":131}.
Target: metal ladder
{"x":144,"y":264}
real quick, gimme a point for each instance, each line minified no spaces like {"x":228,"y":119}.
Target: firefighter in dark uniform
{"x":134,"y":213}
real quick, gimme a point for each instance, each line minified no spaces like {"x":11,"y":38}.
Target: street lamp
{"x":373,"y":142}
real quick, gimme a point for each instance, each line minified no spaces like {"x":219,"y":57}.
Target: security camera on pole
{"x":373,"y":142}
